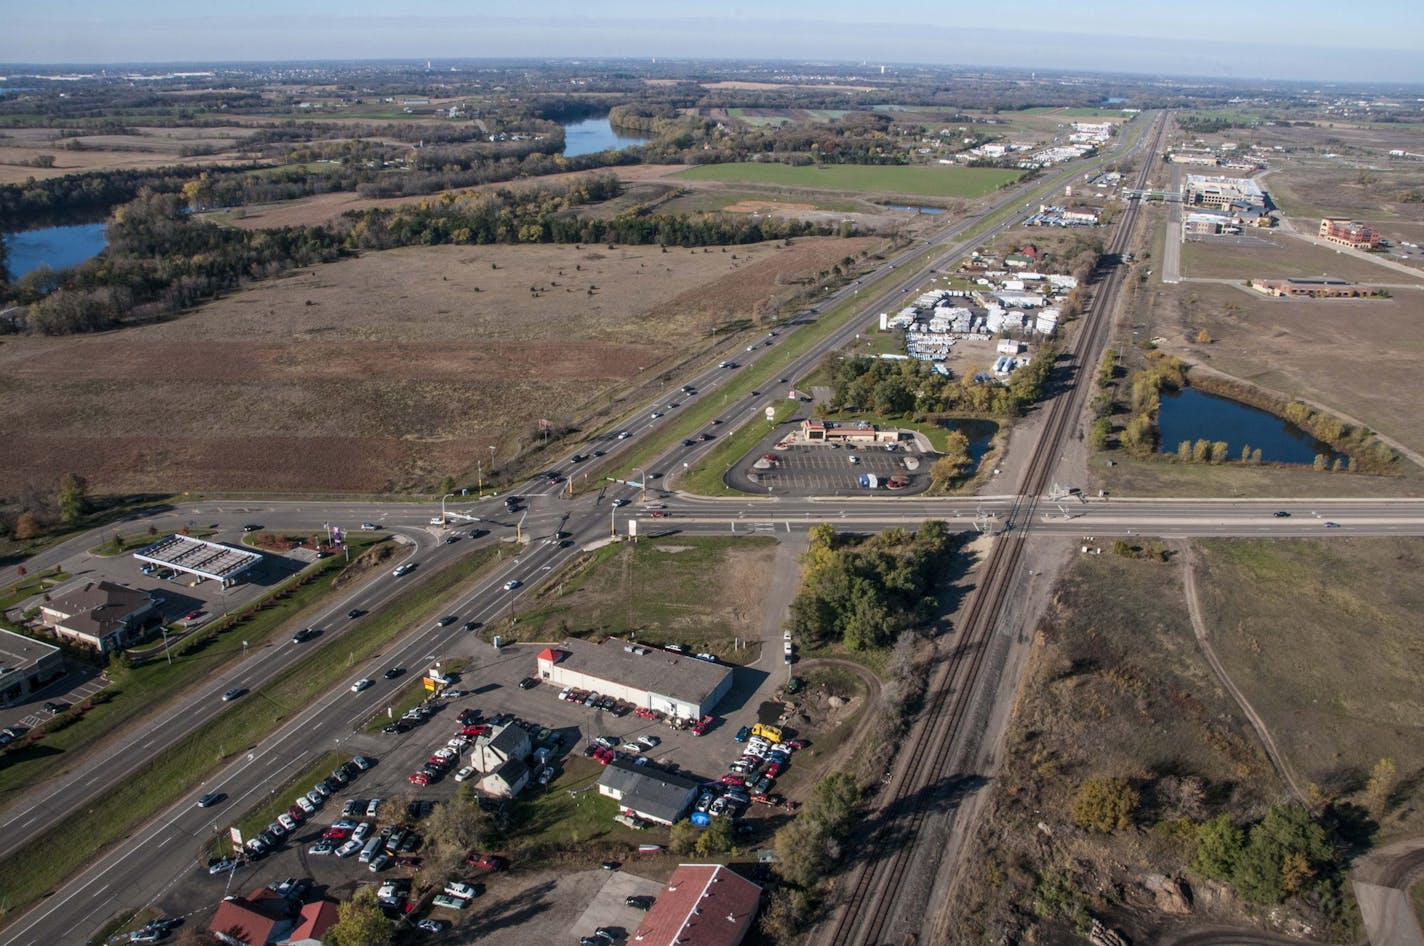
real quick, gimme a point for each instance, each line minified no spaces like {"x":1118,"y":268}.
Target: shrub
{"x":1104,"y":804}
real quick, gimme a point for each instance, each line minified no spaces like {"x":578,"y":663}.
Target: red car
{"x":474,"y":730}
{"x":700,"y":727}
{"x":438,"y":761}
{"x":418,"y":778}
{"x":736,"y":780}
{"x":796,"y":744}
{"x":605,"y":756}
{"x":773,"y":770}
{"x":297,"y":814}
{"x":487,"y":861}
{"x":192,"y":614}
{"x":336,"y":834}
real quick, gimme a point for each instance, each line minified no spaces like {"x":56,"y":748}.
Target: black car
{"x":470,"y":626}
{"x":642,"y":903}
{"x":210,"y":799}
{"x":354,"y":613}
{"x":54,"y":709}
{"x":394,"y":672}
{"x":528,"y":683}
{"x":447,"y":620}
{"x":304,"y":635}
{"x":396,"y":728}
{"x":1281,"y":514}
{"x":250,"y":528}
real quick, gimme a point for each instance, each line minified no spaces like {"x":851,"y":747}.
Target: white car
{"x":650,"y":742}
{"x":458,"y":743}
{"x":512,"y":584}
{"x":464,"y":773}
{"x":463,"y":891}
{"x":623,"y":435}
{"x":362,"y":684}
{"x":305,"y":805}
{"x":632,"y":748}
{"x":348,"y":848}
{"x":401,"y":570}
{"x":287,"y":821}
{"x":620,"y":502}
{"x":656,"y":414}
{"x":321,"y":848}
{"x":373,"y":806}
{"x":362,"y":832}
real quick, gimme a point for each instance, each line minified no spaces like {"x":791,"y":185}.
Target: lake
{"x":1194,"y":415}
{"x":980,"y":434}
{"x":55,"y":247}
{"x":595,"y":134}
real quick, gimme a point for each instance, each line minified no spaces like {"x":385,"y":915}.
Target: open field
{"x":1351,"y":356}
{"x":1323,"y":638}
{"x":383,"y":372}
{"x":1114,"y":687}
{"x":920,"y":181}
{"x":151,"y":147}
{"x":1290,"y":257}
{"x":700,"y":591}
{"x":1372,"y":195}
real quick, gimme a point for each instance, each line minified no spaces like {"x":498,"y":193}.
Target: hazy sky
{"x":1310,"y":39}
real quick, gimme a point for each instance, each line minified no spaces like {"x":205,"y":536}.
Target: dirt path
{"x":1382,"y":880}
{"x":1204,"y":644}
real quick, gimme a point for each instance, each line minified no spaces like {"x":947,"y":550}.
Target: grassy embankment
{"x":36,"y":868}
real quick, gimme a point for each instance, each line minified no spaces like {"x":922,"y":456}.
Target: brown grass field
{"x":1289,"y":257}
{"x":150,"y":148}
{"x":1114,"y":686}
{"x":1322,"y":637}
{"x":381,"y":373}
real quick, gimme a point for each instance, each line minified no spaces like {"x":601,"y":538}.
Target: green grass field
{"x":920,"y":181}
{"x":705,"y":479}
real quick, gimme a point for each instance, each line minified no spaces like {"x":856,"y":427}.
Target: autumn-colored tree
{"x":1104,"y":804}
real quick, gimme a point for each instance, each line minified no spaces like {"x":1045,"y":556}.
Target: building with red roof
{"x":701,"y":905}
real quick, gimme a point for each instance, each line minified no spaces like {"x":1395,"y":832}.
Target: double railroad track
{"x":868,"y":909}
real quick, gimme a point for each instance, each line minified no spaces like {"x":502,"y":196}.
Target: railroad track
{"x":869,"y":907}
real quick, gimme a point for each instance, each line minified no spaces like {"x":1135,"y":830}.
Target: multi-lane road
{"x":139,"y":869}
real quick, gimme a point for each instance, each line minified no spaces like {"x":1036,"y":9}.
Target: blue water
{"x":1194,"y":415}
{"x":55,"y":247}
{"x":918,"y":210}
{"x":596,"y":134}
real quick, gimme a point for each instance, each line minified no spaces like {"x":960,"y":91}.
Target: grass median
{"x":706,"y":478}
{"x":259,"y":816}
{"x":134,"y":691}
{"x":37,"y":868}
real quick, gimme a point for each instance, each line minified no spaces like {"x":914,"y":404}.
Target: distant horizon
{"x":1266,"y":40}
{"x":439,"y":64}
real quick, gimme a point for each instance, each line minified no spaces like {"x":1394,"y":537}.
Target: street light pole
{"x":479,"y":479}
{"x":442,"y":506}
{"x":642,"y":483}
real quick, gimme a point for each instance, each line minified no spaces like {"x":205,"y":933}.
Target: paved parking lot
{"x":827,"y":469}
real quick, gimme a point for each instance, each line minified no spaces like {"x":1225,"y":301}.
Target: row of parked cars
{"x":302,"y":808}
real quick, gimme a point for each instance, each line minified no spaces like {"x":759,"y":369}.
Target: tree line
{"x":905,"y":386}
{"x":863,"y":591}
{"x":161,"y":259}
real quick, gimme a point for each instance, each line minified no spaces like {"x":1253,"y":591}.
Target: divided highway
{"x":140,"y":868}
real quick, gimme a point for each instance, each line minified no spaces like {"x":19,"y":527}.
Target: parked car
{"x":348,"y":848}
{"x":364,"y":763}
{"x":464,"y":773}
{"x":379,"y":863}
{"x":449,"y":902}
{"x":431,"y":926}
{"x":373,"y":806}
{"x":528,"y":683}
{"x":743,"y":734}
{"x":321,"y":847}
{"x":487,"y":861}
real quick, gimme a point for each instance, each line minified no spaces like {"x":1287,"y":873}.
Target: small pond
{"x":595,"y":134}
{"x":980,"y":434}
{"x":55,"y":247}
{"x":1194,"y":415}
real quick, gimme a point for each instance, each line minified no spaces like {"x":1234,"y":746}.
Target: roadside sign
{"x":771,"y":413}
{"x":236,"y":835}
{"x":633,"y":528}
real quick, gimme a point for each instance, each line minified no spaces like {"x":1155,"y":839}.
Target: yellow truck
{"x":769,"y":733}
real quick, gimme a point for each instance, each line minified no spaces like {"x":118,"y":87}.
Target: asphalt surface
{"x":139,"y":869}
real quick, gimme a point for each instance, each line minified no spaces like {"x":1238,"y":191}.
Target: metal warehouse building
{"x":655,"y":679}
